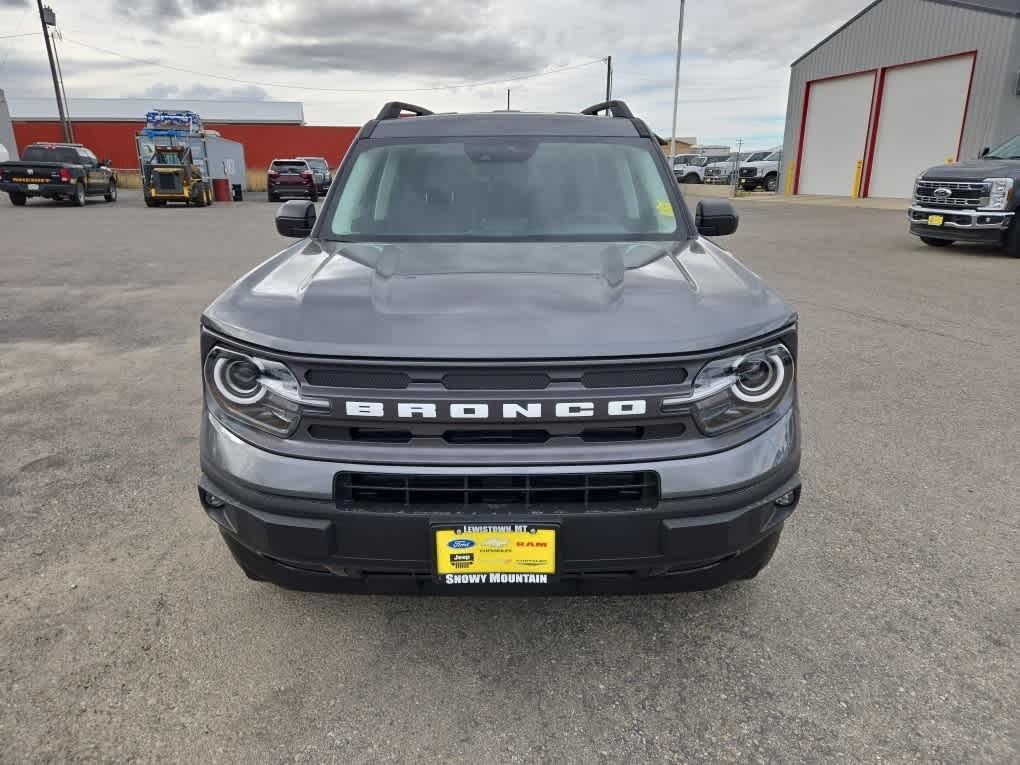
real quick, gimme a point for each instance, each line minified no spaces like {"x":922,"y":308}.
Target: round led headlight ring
{"x":237,"y":379}
{"x":766,"y":389}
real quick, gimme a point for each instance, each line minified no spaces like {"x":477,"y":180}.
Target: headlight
{"x":733,"y":391}
{"x":258,"y":392}
{"x":999,"y":194}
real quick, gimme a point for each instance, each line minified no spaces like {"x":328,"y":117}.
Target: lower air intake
{"x":569,"y":492}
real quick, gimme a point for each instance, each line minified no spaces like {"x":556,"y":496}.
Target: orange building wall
{"x":262,"y":142}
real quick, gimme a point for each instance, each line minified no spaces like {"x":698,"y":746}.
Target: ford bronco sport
{"x":504,"y":357}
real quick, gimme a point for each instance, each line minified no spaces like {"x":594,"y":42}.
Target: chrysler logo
{"x":942,"y":192}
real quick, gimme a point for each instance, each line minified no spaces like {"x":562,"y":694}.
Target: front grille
{"x":748,"y":172}
{"x":168,"y":182}
{"x":492,"y":379}
{"x":964,"y":194}
{"x":568,"y":492}
{"x":425,"y":434}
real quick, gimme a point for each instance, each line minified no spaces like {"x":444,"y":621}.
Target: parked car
{"x":761,"y":173}
{"x":976,"y":201}
{"x":505,"y":357}
{"x":60,"y":171}
{"x":691,"y":168}
{"x":323,"y":177}
{"x":291,"y":178}
{"x":721,"y":171}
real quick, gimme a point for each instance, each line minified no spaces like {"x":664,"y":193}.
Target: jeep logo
{"x":942,"y":192}
{"x":410,"y":410}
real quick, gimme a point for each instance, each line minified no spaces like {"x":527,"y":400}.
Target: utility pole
{"x":508,"y":99}
{"x":609,"y":80}
{"x":47,"y":18}
{"x":676,"y":80}
{"x":69,"y":133}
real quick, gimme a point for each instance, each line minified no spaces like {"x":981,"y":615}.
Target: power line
{"x":332,"y":90}
{"x":23,"y":34}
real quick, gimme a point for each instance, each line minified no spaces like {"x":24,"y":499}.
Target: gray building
{"x":903,"y":85}
{"x":6,"y":131}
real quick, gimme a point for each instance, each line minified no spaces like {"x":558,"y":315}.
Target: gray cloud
{"x":206,"y":92}
{"x":160,"y":11}
{"x":455,"y":39}
{"x":13,"y":3}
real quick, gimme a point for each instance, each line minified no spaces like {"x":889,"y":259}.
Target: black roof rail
{"x":615,"y":108}
{"x":394,"y":109}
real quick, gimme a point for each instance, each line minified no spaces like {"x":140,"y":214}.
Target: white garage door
{"x":919,"y":124}
{"x":835,"y":134}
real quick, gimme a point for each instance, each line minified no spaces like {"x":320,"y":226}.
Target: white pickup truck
{"x":761,"y":173}
{"x":690,"y":168}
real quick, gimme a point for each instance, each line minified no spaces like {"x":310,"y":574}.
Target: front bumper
{"x":717,"y":513}
{"x":44,"y":190}
{"x":980,"y":226}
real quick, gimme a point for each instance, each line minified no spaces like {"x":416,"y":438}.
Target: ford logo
{"x":942,"y":192}
{"x":460,"y":544}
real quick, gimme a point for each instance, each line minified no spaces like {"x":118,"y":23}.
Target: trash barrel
{"x":221,"y":190}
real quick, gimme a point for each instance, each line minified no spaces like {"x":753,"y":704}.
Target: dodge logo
{"x":942,"y":192}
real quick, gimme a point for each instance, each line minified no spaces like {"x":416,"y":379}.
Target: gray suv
{"x":504,"y":358}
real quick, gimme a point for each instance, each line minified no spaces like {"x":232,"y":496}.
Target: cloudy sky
{"x":342,"y":58}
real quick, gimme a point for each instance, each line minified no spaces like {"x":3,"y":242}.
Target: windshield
{"x":1008,"y":150}
{"x":504,"y":188}
{"x":51,"y":154}
{"x":774,"y":156}
{"x":757,"y":156}
{"x":317,"y":164}
{"x":164,"y":157}
{"x":701,"y":161}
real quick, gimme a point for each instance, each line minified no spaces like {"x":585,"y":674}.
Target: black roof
{"x":505,"y":123}
{"x":1001,"y":7}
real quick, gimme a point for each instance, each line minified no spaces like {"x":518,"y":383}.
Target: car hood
{"x":516,"y":300}
{"x":974,"y":170}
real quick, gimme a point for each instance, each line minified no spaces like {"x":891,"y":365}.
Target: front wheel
{"x":18,"y":199}
{"x":1013,"y":239}
{"x":932,"y":242}
{"x":771,"y":182}
{"x":691,"y":178}
{"x":314,"y":197}
{"x":78,"y":198}
{"x":111,"y":192}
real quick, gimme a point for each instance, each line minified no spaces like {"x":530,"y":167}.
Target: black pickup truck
{"x":973,"y":201}
{"x":58,"y":171}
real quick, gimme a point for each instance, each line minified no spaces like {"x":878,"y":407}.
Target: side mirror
{"x":106,"y":163}
{"x":295,"y":218}
{"x":984,"y":151}
{"x":716,"y":217}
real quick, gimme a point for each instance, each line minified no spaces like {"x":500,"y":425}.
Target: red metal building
{"x":267,"y":129}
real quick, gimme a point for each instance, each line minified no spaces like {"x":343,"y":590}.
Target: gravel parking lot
{"x":884,"y":629}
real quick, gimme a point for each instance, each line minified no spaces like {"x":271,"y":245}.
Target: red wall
{"x":262,"y":143}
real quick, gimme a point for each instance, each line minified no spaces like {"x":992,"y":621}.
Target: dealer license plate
{"x":495,"y":553}
{"x":935,"y":220}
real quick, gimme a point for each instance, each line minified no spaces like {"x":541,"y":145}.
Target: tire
{"x":1012,"y":241}
{"x":18,"y":199}
{"x":314,"y":197}
{"x":771,"y":182}
{"x":932,"y":242}
{"x":78,"y":198}
{"x":273,"y":197}
{"x":111,"y":192}
{"x":691,"y":178}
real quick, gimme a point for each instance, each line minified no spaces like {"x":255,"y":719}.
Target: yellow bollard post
{"x":858,"y":171}
{"x":789,"y":178}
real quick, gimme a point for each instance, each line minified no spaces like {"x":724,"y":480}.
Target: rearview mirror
{"x":984,"y":151}
{"x":716,"y":217}
{"x":295,"y":218}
